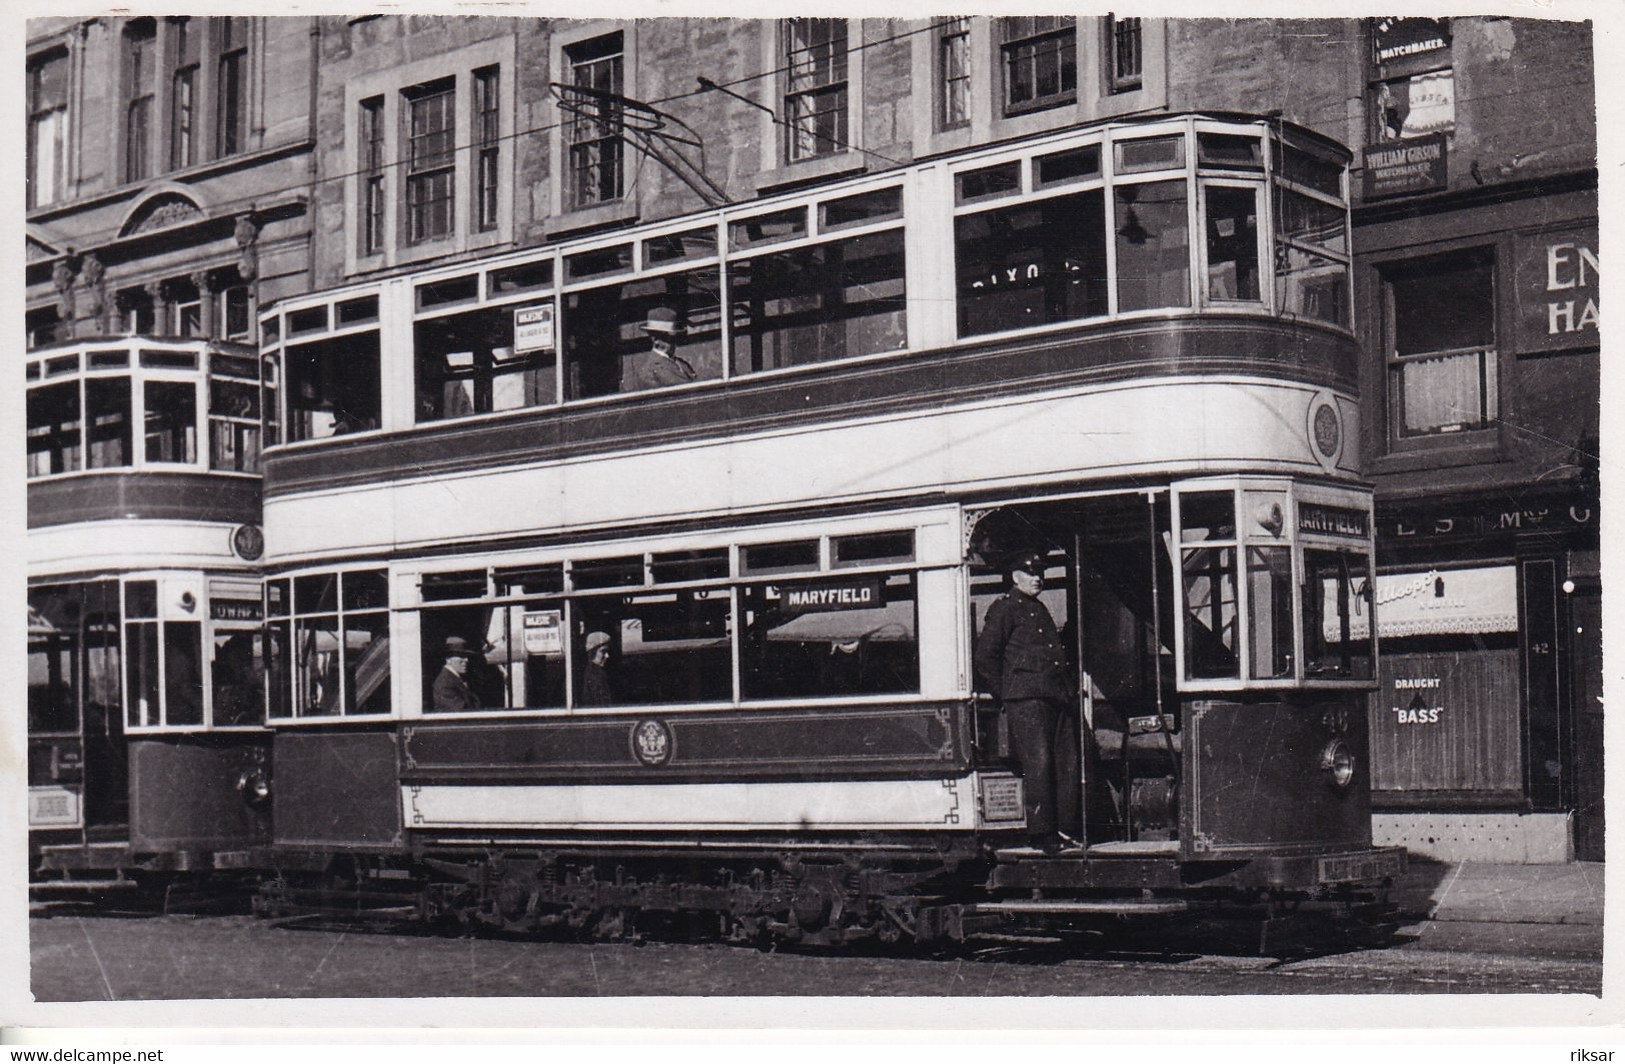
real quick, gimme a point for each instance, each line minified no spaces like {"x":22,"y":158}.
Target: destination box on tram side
{"x":1361,"y":867}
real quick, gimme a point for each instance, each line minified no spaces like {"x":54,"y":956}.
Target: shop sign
{"x":1558,"y":287}
{"x":1419,"y":164}
{"x":1400,"y":38}
{"x":533,"y":329}
{"x":236,"y":610}
{"x":544,"y":632}
{"x":1548,"y":514}
{"x":846,"y":595}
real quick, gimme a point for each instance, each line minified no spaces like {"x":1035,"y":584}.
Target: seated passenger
{"x":451,"y":691}
{"x":661,"y":366}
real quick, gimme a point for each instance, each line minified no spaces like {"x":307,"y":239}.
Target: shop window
{"x":815,"y":96}
{"x":664,"y":647}
{"x":829,"y":638}
{"x":333,"y":387}
{"x":1413,"y":93}
{"x":1040,"y":62}
{"x":820,"y":302}
{"x":47,"y":146}
{"x":597,"y":152}
{"x":1442,"y":363}
{"x":1031,"y":264}
{"x":467,"y":364}
{"x":651,"y":332}
{"x":1153,"y":253}
{"x":953,"y":73}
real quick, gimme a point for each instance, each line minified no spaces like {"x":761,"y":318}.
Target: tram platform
{"x":1484,"y":892}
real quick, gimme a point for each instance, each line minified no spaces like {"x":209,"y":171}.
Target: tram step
{"x":79,"y":886}
{"x":1083,"y":906}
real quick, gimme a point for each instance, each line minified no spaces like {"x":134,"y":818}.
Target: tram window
{"x":278,"y":669}
{"x":466,"y":364}
{"x":366,"y":662}
{"x":862,"y":209}
{"x":1269,"y":626}
{"x":1312,"y":285}
{"x":141,"y":673}
{"x":1296,"y":165}
{"x":1337,"y":593}
{"x":170,"y":429}
{"x":108,"y":403}
{"x":1232,"y":243}
{"x":357,"y":311}
{"x":183,"y":673}
{"x":1312,"y":221}
{"x":516,"y":658}
{"x":276,"y":598}
{"x":1210,"y":613}
{"x":234,"y":423}
{"x":368,"y":589}
{"x":237,"y":675}
{"x":872,"y":549}
{"x":608,"y":572}
{"x":316,"y":666}
{"x":333,"y":387}
{"x":790,"y":557}
{"x":311,"y":319}
{"x":988,"y":183}
{"x":674,"y":247}
{"x":599,"y":261}
{"x":1153,"y":254}
{"x":667,"y":647}
{"x":607,"y":349}
{"x":790,"y":649}
{"x":1149,"y":153}
{"x":443,"y":587}
{"x":338,"y":659}
{"x":768,"y":228}
{"x":1031,"y":264}
{"x":53,"y":700}
{"x":1225,"y":151}
{"x":1207,"y":515}
{"x":168,"y":360}
{"x":141,"y":599}
{"x":53,"y":429}
{"x":109,"y":359}
{"x":444,"y":293}
{"x":679,"y":566}
{"x":521,"y":278}
{"x":316,"y":594}
{"x":1062,"y":167}
{"x":819,"y":302}
{"x":532,"y":580}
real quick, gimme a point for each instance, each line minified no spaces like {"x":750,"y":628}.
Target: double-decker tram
{"x":147,"y":752}
{"x":639,"y":575}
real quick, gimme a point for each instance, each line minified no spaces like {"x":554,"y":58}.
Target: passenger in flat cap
{"x":1021,"y":662}
{"x":595,"y":673}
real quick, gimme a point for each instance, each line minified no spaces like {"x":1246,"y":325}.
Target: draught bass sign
{"x":1424,"y":703}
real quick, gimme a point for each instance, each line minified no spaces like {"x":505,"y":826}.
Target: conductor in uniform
{"x":1021,"y":662}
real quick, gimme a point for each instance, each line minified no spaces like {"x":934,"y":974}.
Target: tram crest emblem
{"x":651,"y":742}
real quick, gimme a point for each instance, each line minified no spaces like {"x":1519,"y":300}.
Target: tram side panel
{"x":198,"y":794}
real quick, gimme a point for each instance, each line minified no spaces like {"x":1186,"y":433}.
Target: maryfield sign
{"x":1559,"y":285}
{"x":1419,"y":164}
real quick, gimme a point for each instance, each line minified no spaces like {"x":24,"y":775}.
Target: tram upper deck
{"x":1017,"y":314}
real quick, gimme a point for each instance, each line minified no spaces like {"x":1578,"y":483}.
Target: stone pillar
{"x":248,"y":235}
{"x":62,"y":278}
{"x":160,"y":306}
{"x":94,"y":302}
{"x":204,"y":281}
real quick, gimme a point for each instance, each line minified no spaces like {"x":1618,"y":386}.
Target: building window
{"x":231,"y":87}
{"x":953,"y":72}
{"x":1442,"y":371}
{"x":138,"y":59}
{"x":430,"y":142}
{"x":815,"y":87}
{"x":1123,"y":49}
{"x":47,"y":128}
{"x":597,"y":152}
{"x":1040,"y":62}
{"x":372,"y":175}
{"x":183,"y":93}
{"x":487,"y":140}
{"x":235,"y":309}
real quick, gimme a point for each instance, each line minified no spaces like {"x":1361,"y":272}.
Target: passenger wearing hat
{"x":661,"y":366}
{"x":1021,"y":662}
{"x":451,"y":691}
{"x":595,"y":674}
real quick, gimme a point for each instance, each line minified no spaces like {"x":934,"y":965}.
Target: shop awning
{"x":1440,"y":602}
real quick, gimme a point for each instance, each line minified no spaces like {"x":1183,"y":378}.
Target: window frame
{"x":953,"y":65}
{"x":139,"y":56}
{"x":593,"y":145}
{"x":1465,"y":260}
{"x":1122,"y":53}
{"x":1026,"y":41}
{"x":48,"y":120}
{"x":428,"y":162}
{"x":807,"y":79}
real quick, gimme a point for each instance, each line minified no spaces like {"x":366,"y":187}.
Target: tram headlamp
{"x":1338,"y":761}
{"x":255,"y":787}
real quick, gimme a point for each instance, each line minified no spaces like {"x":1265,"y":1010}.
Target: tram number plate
{"x":1358,"y":867}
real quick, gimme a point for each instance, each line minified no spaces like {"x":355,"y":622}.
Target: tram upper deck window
{"x":1032,"y":263}
{"x":818,"y":302}
{"x":1153,"y":250}
{"x":53,"y":429}
{"x":234,"y":413}
{"x":647,"y":332}
{"x":170,"y":429}
{"x":467,"y":364}
{"x":829,"y":637}
{"x":333,"y":386}
{"x":1311,"y":254}
{"x":1232,"y":243}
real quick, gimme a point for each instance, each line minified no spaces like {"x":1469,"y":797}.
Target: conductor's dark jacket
{"x":1019,"y":653}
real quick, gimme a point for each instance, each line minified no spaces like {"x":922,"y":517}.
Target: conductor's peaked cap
{"x":1027,"y":561}
{"x":662,"y":320}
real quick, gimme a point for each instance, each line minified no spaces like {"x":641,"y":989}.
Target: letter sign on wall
{"x":1559,"y":285}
